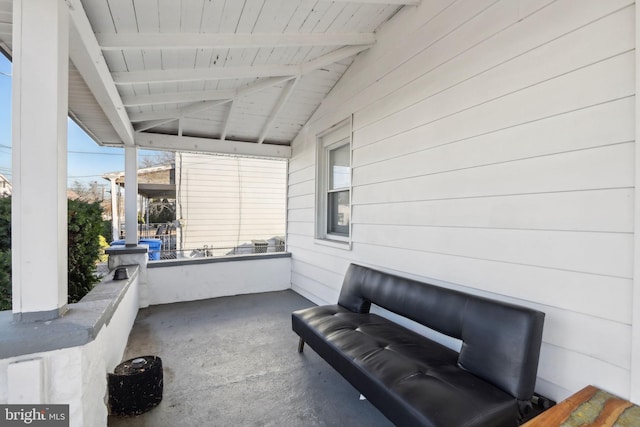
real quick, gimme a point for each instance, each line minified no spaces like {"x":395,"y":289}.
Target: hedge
{"x":84,"y":229}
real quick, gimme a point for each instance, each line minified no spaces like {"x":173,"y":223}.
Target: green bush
{"x":85,"y":225}
{"x":5,"y":280}
{"x":5,"y":253}
{"x":5,"y":223}
{"x":106,"y":230}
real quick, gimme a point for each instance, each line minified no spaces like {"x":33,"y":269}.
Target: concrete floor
{"x":233,"y":361}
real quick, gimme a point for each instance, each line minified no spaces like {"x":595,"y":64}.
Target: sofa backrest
{"x":500,"y":341}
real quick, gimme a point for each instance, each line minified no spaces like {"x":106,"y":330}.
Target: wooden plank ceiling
{"x":244,"y":74}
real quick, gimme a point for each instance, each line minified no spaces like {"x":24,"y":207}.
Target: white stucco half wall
{"x":78,"y":375}
{"x":175,"y":281}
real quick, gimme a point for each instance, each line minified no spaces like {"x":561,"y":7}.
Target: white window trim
{"x":331,"y":138}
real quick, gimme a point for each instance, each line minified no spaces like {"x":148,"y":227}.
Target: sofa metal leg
{"x":300,"y":345}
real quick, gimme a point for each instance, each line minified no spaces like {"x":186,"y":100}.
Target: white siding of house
{"x":228,"y":201}
{"x":493,"y":152}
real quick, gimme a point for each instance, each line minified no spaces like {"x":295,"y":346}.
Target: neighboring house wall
{"x":5,"y":187}
{"x":227,"y":201}
{"x":493,"y":152}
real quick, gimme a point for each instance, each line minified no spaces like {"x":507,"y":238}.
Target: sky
{"x":86,"y":161}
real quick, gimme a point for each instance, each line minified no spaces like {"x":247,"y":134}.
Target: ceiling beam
{"x":330,"y":58}
{"x":175,"y":114}
{"x":217,"y":73}
{"x":282,"y":100}
{"x":153,"y":116}
{"x":388,"y":2}
{"x":259,"y":85}
{"x":227,"y":119}
{"x":149,"y":41}
{"x":197,"y":107}
{"x":203,"y":95}
{"x":201,"y":106}
{"x":140,"y":127}
{"x":222,"y":73}
{"x":87,"y":57}
{"x":177,"y":97}
{"x":154,"y":141}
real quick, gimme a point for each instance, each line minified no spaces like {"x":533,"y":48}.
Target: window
{"x":338,"y":212}
{"x":333,"y":210}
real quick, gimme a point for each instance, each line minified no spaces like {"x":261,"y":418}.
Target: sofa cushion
{"x":410,"y":378}
{"x":501,"y":341}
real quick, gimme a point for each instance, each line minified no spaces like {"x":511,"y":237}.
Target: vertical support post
{"x":39,"y":125}
{"x":131,"y":195}
{"x":634,"y":392}
{"x":115,"y":216}
{"x":180,"y":222}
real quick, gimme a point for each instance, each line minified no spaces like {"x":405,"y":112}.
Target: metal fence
{"x":166,"y":234}
{"x":257,"y":247}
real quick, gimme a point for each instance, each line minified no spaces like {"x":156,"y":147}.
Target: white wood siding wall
{"x":229,"y":201}
{"x":493,"y":152}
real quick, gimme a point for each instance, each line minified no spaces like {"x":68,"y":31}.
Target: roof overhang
{"x":196,"y":76}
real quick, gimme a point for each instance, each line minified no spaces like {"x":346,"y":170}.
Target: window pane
{"x":338,"y":213}
{"x":339,"y":168}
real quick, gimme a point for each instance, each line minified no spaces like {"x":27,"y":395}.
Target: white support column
{"x":634,"y":389}
{"x":115,"y":216}
{"x":39,"y":125}
{"x":131,"y":195}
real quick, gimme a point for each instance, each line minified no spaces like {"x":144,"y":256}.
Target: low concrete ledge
{"x":202,"y":278}
{"x":126,"y":250}
{"x":211,"y":260}
{"x":79,"y":325}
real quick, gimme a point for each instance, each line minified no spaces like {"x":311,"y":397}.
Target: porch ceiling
{"x":244,"y":74}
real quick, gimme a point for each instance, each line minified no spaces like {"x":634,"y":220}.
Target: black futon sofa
{"x":413,"y":380}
